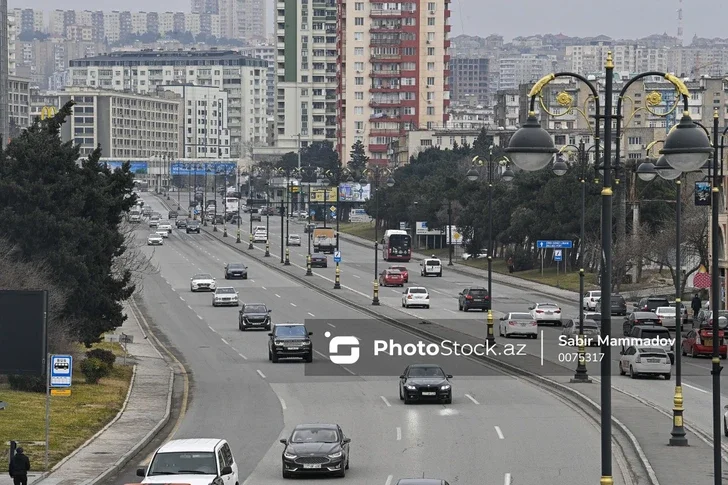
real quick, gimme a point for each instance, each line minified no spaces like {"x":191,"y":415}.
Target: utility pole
{"x":299,"y":169}
{"x":4,"y":115}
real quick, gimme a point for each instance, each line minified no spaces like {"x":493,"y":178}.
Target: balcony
{"x":384,"y":29}
{"x":385,"y":132}
{"x":385,"y":119}
{"x":385,"y":104}
{"x":377,"y":42}
{"x":447,"y":43}
{"x":385,"y":13}
{"x":382,"y":148}
{"x":385,"y":73}
{"x":384,"y":89}
{"x":386,"y":57}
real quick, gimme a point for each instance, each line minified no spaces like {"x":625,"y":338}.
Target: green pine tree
{"x":358,"y":159}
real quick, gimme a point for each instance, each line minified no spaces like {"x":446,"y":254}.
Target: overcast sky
{"x":511,"y":18}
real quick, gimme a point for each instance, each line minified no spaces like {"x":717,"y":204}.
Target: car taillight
{"x":557,"y":311}
{"x":427,"y":296}
{"x":659,"y":320}
{"x":637,"y":322}
{"x":644,"y":308}
{"x":511,"y":322}
{"x":539,"y":311}
{"x":409,"y":297}
{"x":468,"y":297}
{"x":534,"y":323}
{"x":486,"y":298}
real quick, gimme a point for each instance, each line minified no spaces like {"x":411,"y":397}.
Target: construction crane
{"x":695,"y":71}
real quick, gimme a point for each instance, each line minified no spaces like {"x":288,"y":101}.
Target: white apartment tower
{"x":393,"y":65}
{"x":306,"y":77}
{"x":242,"y":78}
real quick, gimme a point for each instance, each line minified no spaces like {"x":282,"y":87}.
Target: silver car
{"x":225,"y":296}
{"x":202,"y":282}
{"x":294,"y":240}
{"x":546,"y":313}
{"x":667,"y":315}
{"x":591,"y":331}
{"x":155,"y":239}
{"x":518,"y":324}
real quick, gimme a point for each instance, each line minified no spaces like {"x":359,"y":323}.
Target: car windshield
{"x":183,"y":463}
{"x":202,"y":276}
{"x":154,"y":234}
{"x":294,"y":236}
{"x":417,"y":290}
{"x":547,"y":306}
{"x":314,"y":435}
{"x":588,"y":323}
{"x":650,"y":350}
{"x":164,"y":222}
{"x":425,"y":372}
{"x":479,"y":292}
{"x":256,"y":309}
{"x":520,"y":316}
{"x":225,"y":290}
{"x":432,"y":262}
{"x":399,"y":268}
{"x":650,"y":333}
{"x":291,"y":331}
{"x":596,"y":294}
{"x":663,"y":310}
{"x":393,"y":272}
{"x":236,"y":266}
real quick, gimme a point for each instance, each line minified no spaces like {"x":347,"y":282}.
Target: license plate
{"x":428,"y":393}
{"x":653,"y":361}
{"x":309,"y":466}
{"x":292,"y":348}
{"x":522,"y":324}
{"x":549,"y":313}
{"x":708,"y":342}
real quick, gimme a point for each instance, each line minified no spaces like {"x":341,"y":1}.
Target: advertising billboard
{"x":202,"y":168}
{"x":137,"y":168}
{"x":323,"y":195}
{"x":354,"y":192}
{"x":23,"y":346}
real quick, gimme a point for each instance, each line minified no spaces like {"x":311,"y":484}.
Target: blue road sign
{"x":554,"y":244}
{"x":196,"y":211}
{"x":337,"y":256}
{"x":313,"y":212}
{"x":61,"y":370}
{"x":558,"y":255}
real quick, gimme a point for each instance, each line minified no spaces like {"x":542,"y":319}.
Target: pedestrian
{"x":511,"y":267}
{"x":696,"y":305}
{"x":19,"y":468}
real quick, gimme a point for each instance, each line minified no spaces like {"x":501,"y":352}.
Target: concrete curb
{"x":543,"y":383}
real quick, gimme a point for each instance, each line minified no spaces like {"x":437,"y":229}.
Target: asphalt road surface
{"x":499,"y":429}
{"x":357,"y":275}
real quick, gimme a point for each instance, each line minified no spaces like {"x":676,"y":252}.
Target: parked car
{"x":699,"y":341}
{"x":705,"y":319}
{"x":518,"y":324}
{"x":475,"y":298}
{"x":638,"y":360}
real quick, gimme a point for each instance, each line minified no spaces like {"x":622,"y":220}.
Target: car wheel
{"x":427,"y":306}
{"x":407,"y":401}
{"x":341,"y":473}
{"x":668,"y":376}
{"x":245,"y":277}
{"x":347,"y":463}
{"x":227,"y":277}
{"x":274,"y":358}
{"x":240,"y":326}
{"x":401,"y":396}
{"x":270,"y":356}
{"x":309,"y":357}
{"x":448,"y":400}
{"x":632,"y":373}
{"x":684,"y":351}
{"x":621,"y":371}
{"x":534,"y":336}
{"x":267,"y":327}
{"x":692,"y":352}
{"x":465,"y":307}
{"x":725,"y":427}
{"x":500,"y":331}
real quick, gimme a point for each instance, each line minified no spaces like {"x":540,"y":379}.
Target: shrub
{"x":105,"y":356}
{"x":27,"y":383}
{"x":94,"y":369}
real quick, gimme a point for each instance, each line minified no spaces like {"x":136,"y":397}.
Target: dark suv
{"x":254,"y":315}
{"x":651,"y":304}
{"x":172,"y":215}
{"x":618,"y":305}
{"x":474,"y":298}
{"x":255,"y":215}
{"x":193,"y":226}
{"x":181,"y":223}
{"x":290,"y":340}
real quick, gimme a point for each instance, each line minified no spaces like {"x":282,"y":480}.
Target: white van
{"x":431,"y":266}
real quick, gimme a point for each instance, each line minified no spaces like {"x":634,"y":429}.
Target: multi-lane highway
{"x":498,"y":429}
{"x":357,"y":276}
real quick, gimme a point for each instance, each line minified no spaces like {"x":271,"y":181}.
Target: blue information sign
{"x":558,"y":255}
{"x":337,"y":256}
{"x":61,"y":370}
{"x":554,"y":244}
{"x":196,"y":211}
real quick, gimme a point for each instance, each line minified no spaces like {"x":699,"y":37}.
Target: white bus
{"x":232,"y":204}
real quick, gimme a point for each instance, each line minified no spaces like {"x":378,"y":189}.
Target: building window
{"x":359,"y":95}
{"x":426,"y":143}
{"x":430,"y":66}
{"x":431,"y":36}
{"x":358,"y":51}
{"x":359,"y":81}
{"x":430,"y":51}
{"x":358,"y":35}
{"x":634,"y":140}
{"x":358,"y":20}
{"x":359,"y":66}
{"x":359,"y":6}
{"x":358,"y":110}
{"x":430,"y":81}
{"x":431,"y":111}
{"x":431,"y":6}
{"x":431,"y":21}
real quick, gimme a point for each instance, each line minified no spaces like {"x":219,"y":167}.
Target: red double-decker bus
{"x":397,"y":246}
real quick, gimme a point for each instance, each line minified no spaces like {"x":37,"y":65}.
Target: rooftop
{"x":160,"y":58}
{"x":190,"y":445}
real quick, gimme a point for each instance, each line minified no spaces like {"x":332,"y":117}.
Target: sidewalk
{"x":145,"y":411}
{"x":515,"y":280}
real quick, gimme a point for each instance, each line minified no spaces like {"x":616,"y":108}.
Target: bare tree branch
{"x":135,"y":259}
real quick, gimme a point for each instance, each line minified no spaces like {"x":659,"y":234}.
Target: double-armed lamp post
{"x":686,"y":149}
{"x":374,"y":175}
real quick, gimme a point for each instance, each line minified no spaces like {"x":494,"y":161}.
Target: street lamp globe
{"x":508,"y":175}
{"x":560,"y":168}
{"x":646,"y":171}
{"x":665,"y":170}
{"x":390,"y":182}
{"x":472,"y":175}
{"x":687,"y":147}
{"x":531,"y":147}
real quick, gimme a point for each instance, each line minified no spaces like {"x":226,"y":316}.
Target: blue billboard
{"x":200,"y":168}
{"x":354,"y":192}
{"x":138,"y":168}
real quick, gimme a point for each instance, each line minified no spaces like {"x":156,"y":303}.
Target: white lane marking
{"x":396,"y":291}
{"x":181,"y":298}
{"x":399,"y":434}
{"x":189,"y":307}
{"x":389,"y":480}
{"x":278,"y":295}
{"x":200,"y":317}
{"x":225,"y":341}
{"x":264,"y":288}
{"x":174,"y":289}
{"x":356,"y":276}
{"x":348,"y":370}
{"x":440,"y":292}
{"x":283,"y":404}
{"x":293,"y":304}
{"x":472,"y":398}
{"x":507,"y":480}
{"x":241,"y":355}
{"x":541,"y":358}
{"x":500,"y":433}
{"x":212,"y":329}
{"x":448,"y":310}
{"x":331,"y":325}
{"x":260,"y":373}
{"x":322,"y":355}
{"x":311,"y":314}
{"x":695,"y":388}
{"x":385,"y":401}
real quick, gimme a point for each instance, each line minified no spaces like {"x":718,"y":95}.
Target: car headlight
{"x":411,"y":388}
{"x":289,"y":456}
{"x":306,"y":343}
{"x":445,"y":387}
{"x":277,"y":342}
{"x":338,"y":454}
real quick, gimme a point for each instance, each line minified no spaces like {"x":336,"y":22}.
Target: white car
{"x":162,"y":232}
{"x":546,"y":313}
{"x":637,"y":361}
{"x":293,"y":240}
{"x":260,"y":236}
{"x":591,"y":332}
{"x":202,"y":282}
{"x":153,"y":221}
{"x":165,"y":225}
{"x":415,"y":296}
{"x":518,"y":324}
{"x":198,"y":461}
{"x":667,"y":315}
{"x":225,"y":296}
{"x":155,"y":239}
{"x":591,"y":300}
{"x":431,"y":266}
{"x":483,"y":253}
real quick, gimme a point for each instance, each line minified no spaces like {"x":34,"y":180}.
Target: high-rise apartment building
{"x":28,"y":20}
{"x":393,"y":63}
{"x":471,"y":81}
{"x":268,"y":54}
{"x":305,"y":97}
{"x":11,"y":38}
{"x":243,"y":78}
{"x":525,"y":68}
{"x":252,"y":21}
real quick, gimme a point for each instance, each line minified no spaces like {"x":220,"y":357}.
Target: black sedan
{"x":319,"y":260}
{"x":236,"y":270}
{"x":181,"y":223}
{"x":193,"y":226}
{"x":316,"y":449}
{"x":425,"y":383}
{"x":254,"y":315}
